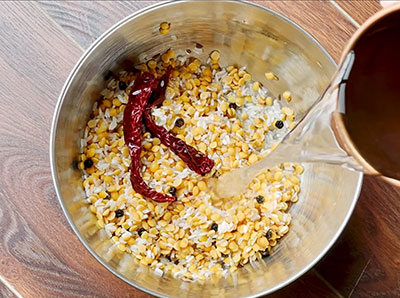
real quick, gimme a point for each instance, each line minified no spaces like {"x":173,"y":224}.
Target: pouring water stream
{"x":312,"y":140}
{"x":355,"y":123}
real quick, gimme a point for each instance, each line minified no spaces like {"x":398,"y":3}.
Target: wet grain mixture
{"x":224,"y":114}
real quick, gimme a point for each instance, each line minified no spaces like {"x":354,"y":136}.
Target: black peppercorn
{"x":269,"y":234}
{"x":260,"y":199}
{"x":119,"y":213}
{"x":216,"y":174}
{"x":141,"y":231}
{"x":179,"y":122}
{"x":88,"y":163}
{"x":279,"y":124}
{"x":266,"y":253}
{"x":214,"y":227}
{"x":232,"y":105}
{"x":122,"y":85}
{"x":172,"y":191}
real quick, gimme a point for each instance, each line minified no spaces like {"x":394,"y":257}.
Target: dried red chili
{"x":195,"y":160}
{"x":146,"y":91}
{"x":133,"y":119}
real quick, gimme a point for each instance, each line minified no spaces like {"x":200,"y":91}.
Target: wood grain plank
{"x":39,"y":255}
{"x":320,"y":18}
{"x":368,"y":254}
{"x":5,"y":292}
{"x":360,"y":11}
{"x":86,"y":20}
{"x":309,"y":285}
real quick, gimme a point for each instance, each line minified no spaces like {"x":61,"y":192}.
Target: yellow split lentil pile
{"x":223,"y":113}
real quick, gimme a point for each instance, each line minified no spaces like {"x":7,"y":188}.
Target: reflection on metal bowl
{"x":245,"y":34}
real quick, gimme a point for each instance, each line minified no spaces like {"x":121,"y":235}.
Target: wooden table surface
{"x":39,"y":254}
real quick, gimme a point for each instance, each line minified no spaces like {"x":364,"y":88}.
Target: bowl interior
{"x":245,"y":35}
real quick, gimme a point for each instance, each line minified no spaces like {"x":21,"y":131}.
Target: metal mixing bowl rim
{"x":61,"y":101}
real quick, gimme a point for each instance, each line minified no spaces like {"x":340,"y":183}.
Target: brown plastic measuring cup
{"x":367,"y":122}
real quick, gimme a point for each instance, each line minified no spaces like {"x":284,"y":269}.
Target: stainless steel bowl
{"x":245,"y":34}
